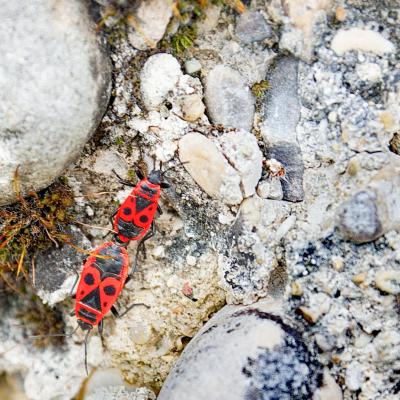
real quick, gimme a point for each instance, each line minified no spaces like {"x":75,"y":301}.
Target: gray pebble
{"x":55,"y":86}
{"x":252,"y":27}
{"x":358,"y":218}
{"x":229,"y":101}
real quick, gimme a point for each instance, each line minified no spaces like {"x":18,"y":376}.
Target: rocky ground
{"x":281,"y":225}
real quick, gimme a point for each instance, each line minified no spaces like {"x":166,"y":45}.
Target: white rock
{"x":54,"y":89}
{"x":370,"y":72}
{"x":209,"y":168}
{"x":330,"y":389}
{"x":192,"y":66}
{"x":243,"y":153}
{"x":192,"y":107}
{"x":106,"y":161}
{"x":304,"y":17}
{"x":150,"y":21}
{"x":387,"y":345}
{"x":362,"y":40}
{"x":270,"y":189}
{"x":159,"y":76}
{"x":229,"y":101}
{"x":120,"y":392}
{"x":354,"y":376}
{"x":388,"y":281}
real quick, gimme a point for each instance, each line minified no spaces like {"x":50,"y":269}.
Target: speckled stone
{"x":358,"y":218}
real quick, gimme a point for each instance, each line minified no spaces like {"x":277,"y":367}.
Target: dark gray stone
{"x":252,"y":27}
{"x":54,"y":266}
{"x":289,"y":155}
{"x":281,"y":108}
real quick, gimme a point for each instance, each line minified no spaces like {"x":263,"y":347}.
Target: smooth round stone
{"x":245,"y":353}
{"x":54,"y":88}
{"x":359,"y":219}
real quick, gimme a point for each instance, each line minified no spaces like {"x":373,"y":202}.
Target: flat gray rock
{"x":281,"y":109}
{"x":229,"y":101}
{"x":252,"y":27}
{"x":54,"y":89}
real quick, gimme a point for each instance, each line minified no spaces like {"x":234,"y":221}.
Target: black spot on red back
{"x":127,"y":211}
{"x":89,"y":279}
{"x":109,"y":290}
{"x":143,"y":218}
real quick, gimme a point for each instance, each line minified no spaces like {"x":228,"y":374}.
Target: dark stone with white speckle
{"x":53,"y":267}
{"x":245,"y":353}
{"x":289,"y":155}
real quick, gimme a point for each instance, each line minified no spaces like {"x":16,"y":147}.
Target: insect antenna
{"x":54,"y":334}
{"x":86,"y":341}
{"x":174,"y":167}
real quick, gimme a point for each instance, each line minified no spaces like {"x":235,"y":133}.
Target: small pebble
{"x":192,"y":107}
{"x":270,"y":189}
{"x":192,"y":66}
{"x":358,"y":218}
{"x":340,"y":14}
{"x":191,"y":261}
{"x":209,"y":168}
{"x":388,"y":281}
{"x":158,"y":77}
{"x":354,"y":376}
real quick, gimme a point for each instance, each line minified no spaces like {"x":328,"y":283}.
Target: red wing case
{"x":137,"y":212}
{"x":101,"y":281}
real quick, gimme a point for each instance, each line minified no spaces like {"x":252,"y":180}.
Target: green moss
{"x":183,"y":39}
{"x":119,"y":141}
{"x":260,"y":88}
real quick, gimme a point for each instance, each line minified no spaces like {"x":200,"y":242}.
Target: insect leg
{"x":86,"y":342}
{"x":121,"y":180}
{"x":100,"y":327}
{"x":141,"y":247}
{"x":76,"y":281}
{"x":139,"y":174}
{"x":112,"y":221}
{"x":127,"y":309}
{"x":160,"y":211}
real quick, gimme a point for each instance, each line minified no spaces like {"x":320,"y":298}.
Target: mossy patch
{"x":34,"y":223}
